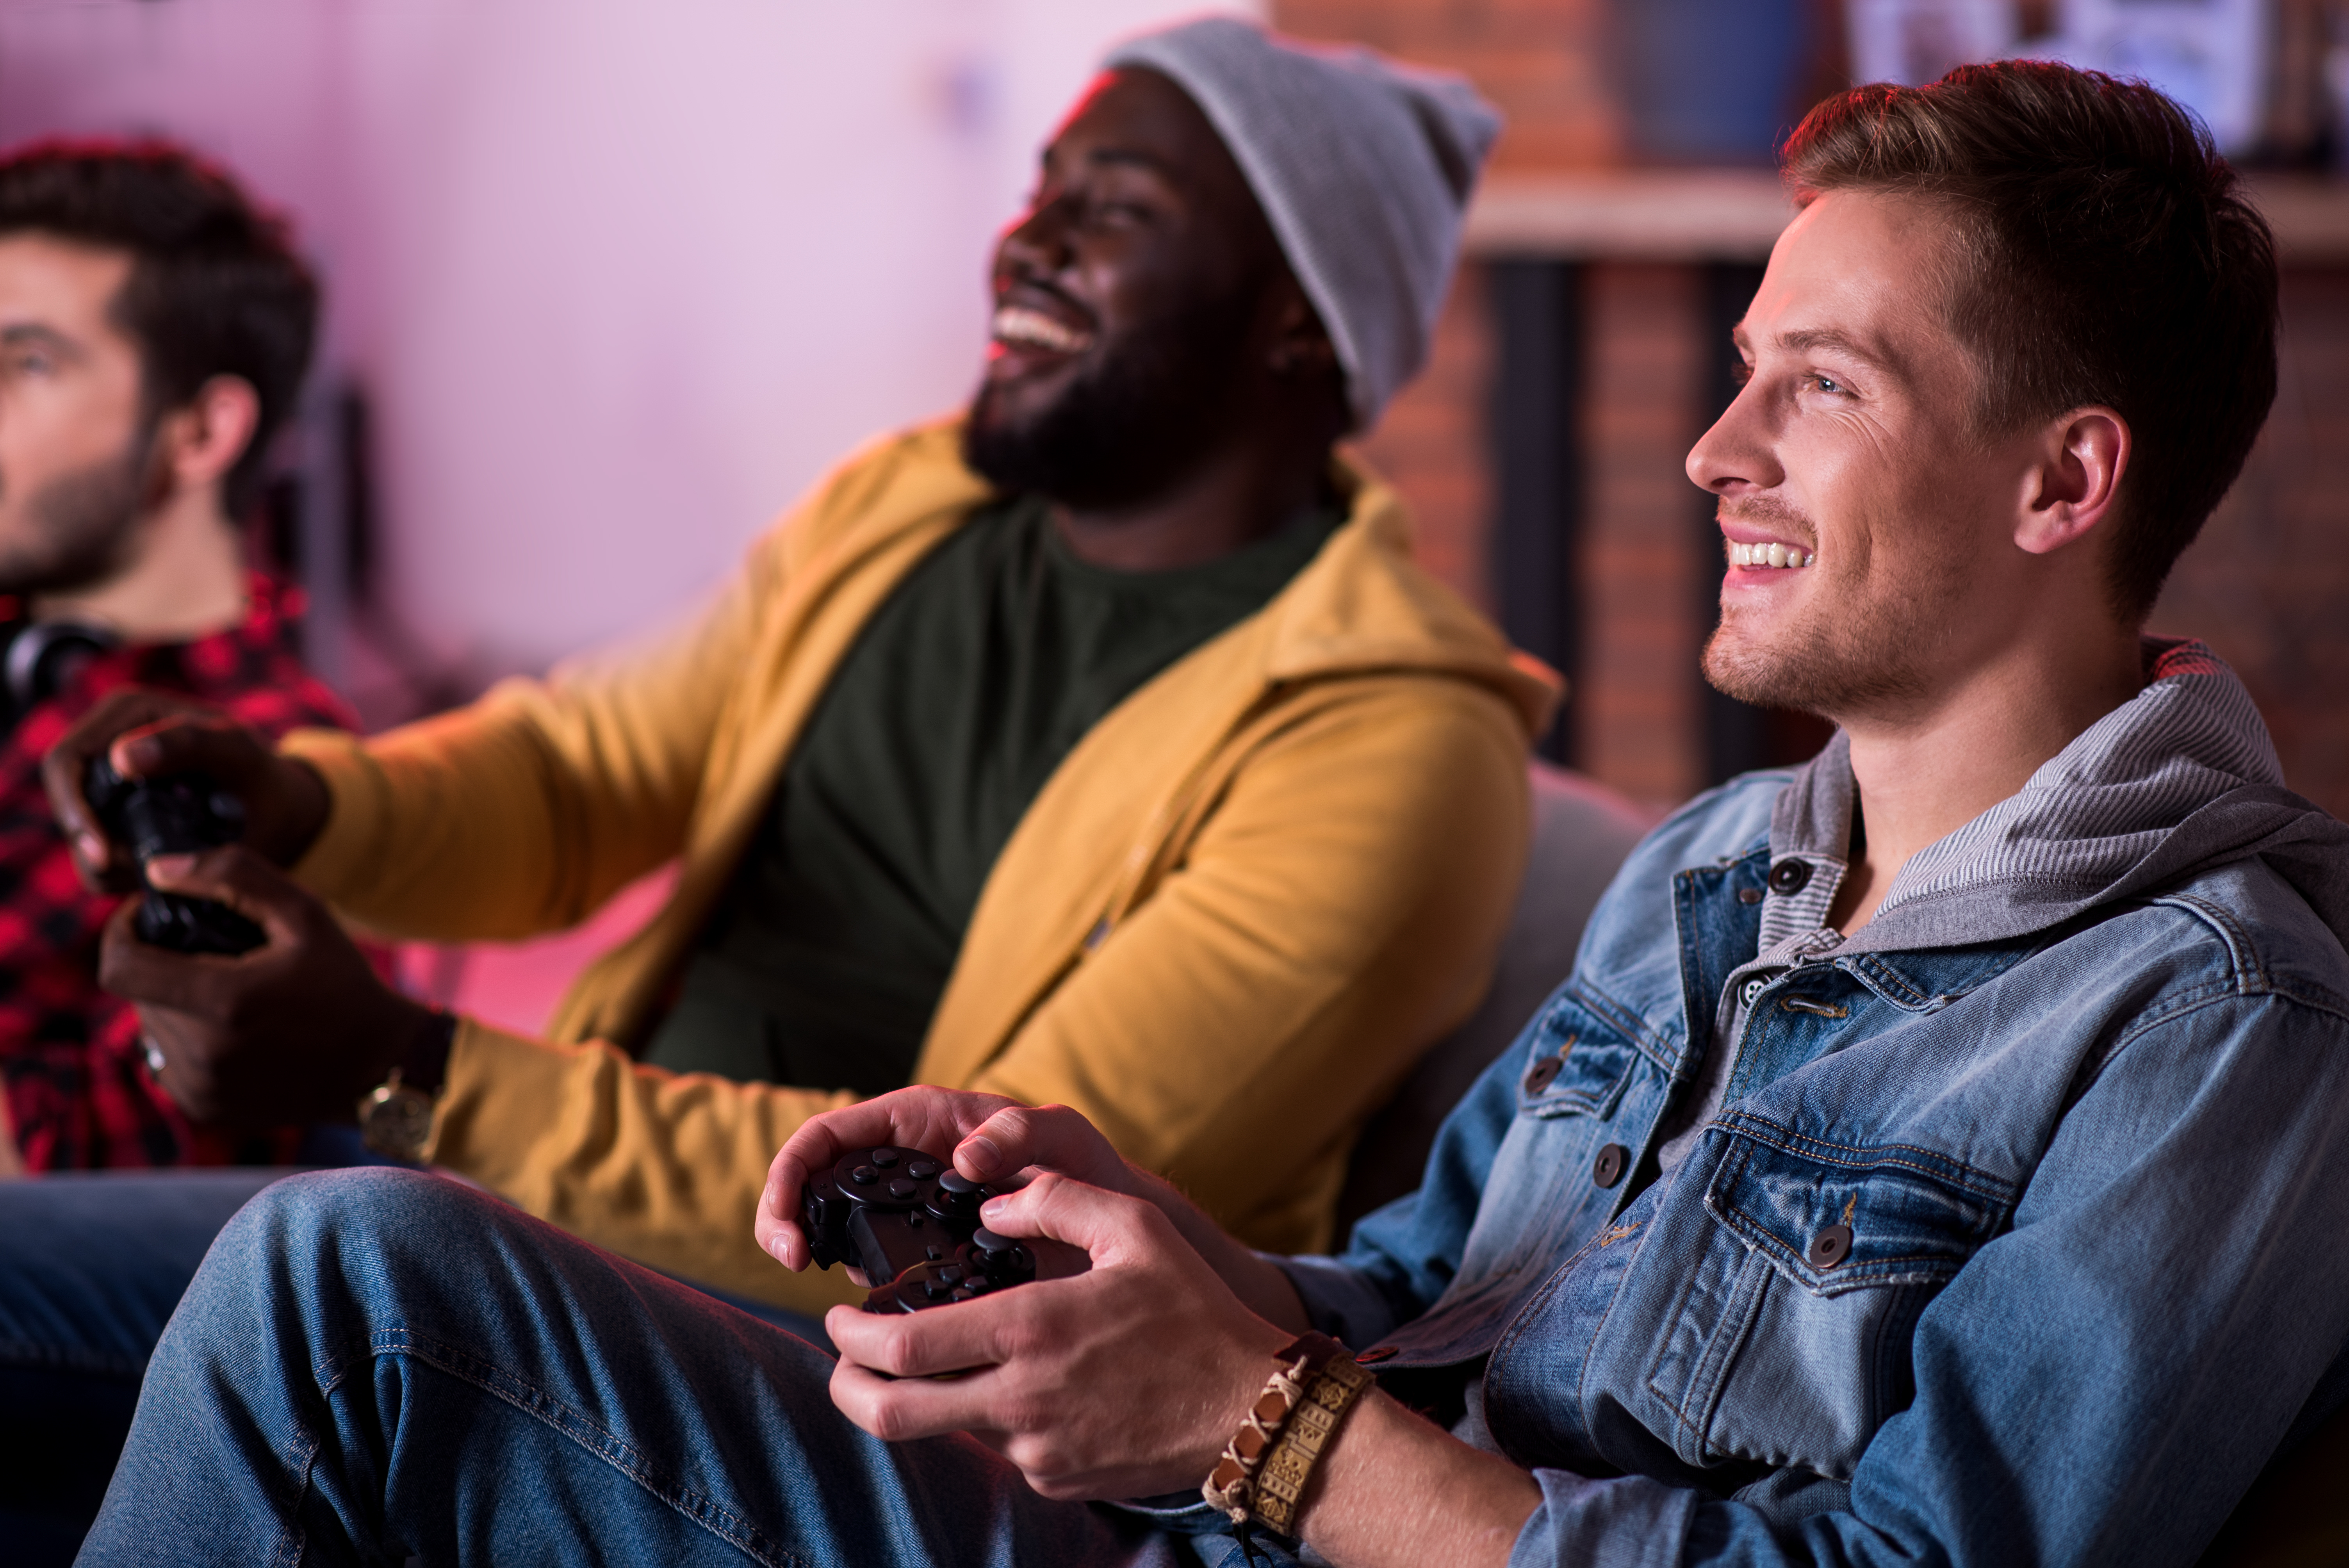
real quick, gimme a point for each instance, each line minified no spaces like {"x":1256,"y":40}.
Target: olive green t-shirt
{"x":826,"y":955}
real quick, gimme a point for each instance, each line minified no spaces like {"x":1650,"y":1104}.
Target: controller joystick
{"x":910,"y":1222}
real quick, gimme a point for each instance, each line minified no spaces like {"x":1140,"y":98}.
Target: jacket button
{"x":1608,"y":1169}
{"x":1542,"y":1074}
{"x":1830,"y":1246}
{"x":1789,"y":877}
{"x":1749,"y":895}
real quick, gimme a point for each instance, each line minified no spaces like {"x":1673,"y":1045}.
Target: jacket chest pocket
{"x":1791,"y":1343}
{"x":1577,"y":1063}
{"x":1582,"y":1085}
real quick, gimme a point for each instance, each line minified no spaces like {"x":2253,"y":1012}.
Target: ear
{"x":2075,"y":486}
{"x":1300,"y":345}
{"x":196,"y":443}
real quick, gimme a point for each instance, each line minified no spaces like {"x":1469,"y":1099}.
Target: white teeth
{"x":1016,"y":324}
{"x":1773,"y":554}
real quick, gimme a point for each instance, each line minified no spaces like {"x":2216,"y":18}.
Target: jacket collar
{"x":2178,"y":781}
{"x":1360,"y":605}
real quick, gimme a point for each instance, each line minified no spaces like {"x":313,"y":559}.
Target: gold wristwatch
{"x":395,"y":1115}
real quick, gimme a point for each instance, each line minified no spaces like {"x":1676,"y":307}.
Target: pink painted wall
{"x":621,"y":277}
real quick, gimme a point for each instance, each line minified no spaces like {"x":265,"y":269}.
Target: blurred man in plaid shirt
{"x":154,"y":329}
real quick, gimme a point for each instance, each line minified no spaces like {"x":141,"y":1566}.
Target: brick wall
{"x":1541,"y":61}
{"x":2268,"y":583}
{"x":1636,"y":718}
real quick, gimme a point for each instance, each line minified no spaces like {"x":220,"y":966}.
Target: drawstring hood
{"x":2176,"y":781}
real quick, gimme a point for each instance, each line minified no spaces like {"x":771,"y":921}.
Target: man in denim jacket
{"x":1940,"y":1154}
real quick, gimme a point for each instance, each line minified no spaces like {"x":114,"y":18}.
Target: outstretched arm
{"x":522,"y":812}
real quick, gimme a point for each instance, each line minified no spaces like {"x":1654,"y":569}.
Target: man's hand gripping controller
{"x":910,"y":1220}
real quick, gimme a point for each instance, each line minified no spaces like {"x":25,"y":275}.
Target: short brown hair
{"x":2112,"y":259}
{"x":215,"y":288}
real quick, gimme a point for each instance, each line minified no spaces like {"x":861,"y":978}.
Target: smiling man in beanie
{"x":1103,"y":746}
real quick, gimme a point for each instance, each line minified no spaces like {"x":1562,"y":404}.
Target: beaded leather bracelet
{"x":1281,"y":1481}
{"x":1231,"y":1485}
{"x":1261,"y":1475}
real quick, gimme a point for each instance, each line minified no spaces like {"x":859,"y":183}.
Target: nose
{"x":1738,"y":454}
{"x":1037,"y":242}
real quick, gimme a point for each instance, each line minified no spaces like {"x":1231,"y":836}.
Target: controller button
{"x":865,"y":1175}
{"x":988,"y":1241}
{"x":921,"y":1170}
{"x":902,"y":1189}
{"x":962,"y":1292}
{"x":885,"y":1158}
{"x":978,"y":1285}
{"x":954,"y":1181}
{"x":936,"y":1255}
{"x":951,"y":1274}
{"x":932,"y":1290}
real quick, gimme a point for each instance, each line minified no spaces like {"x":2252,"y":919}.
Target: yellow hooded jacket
{"x":1236,"y":914}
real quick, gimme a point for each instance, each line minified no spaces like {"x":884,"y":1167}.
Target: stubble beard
{"x":77,"y":530}
{"x":1861,"y":645}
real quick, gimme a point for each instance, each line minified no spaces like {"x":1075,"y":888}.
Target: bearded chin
{"x":1868,"y":665}
{"x":1104,"y":442}
{"x":1143,"y":414}
{"x":77,"y":529}
{"x":1778,"y":677}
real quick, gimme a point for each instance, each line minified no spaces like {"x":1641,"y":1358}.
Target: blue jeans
{"x":373,"y":1366}
{"x":90,"y":1267}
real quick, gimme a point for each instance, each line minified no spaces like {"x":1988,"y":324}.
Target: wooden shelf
{"x":2310,"y":215}
{"x":1735,"y":214}
{"x":1654,"y":215}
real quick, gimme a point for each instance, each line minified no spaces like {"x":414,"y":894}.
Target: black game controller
{"x":910,"y":1220}
{"x":179,"y":814}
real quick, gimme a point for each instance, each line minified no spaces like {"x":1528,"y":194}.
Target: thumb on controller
{"x":1106,"y":1226}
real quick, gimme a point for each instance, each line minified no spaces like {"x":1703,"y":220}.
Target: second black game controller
{"x":910,"y":1220}
{"x":178,"y":814}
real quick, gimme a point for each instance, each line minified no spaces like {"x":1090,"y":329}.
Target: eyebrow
{"x":18,"y":333}
{"x":1810,"y":339}
{"x":1126,"y":156}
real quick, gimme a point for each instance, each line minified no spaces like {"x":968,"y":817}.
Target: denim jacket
{"x":2019,"y":1234}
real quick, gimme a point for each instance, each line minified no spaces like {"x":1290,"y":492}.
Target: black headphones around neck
{"x":42,"y":656}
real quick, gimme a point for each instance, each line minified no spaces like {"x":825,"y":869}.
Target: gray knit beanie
{"x":1363,"y":167}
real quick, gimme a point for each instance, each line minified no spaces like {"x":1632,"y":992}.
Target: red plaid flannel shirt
{"x":78,"y":1090}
